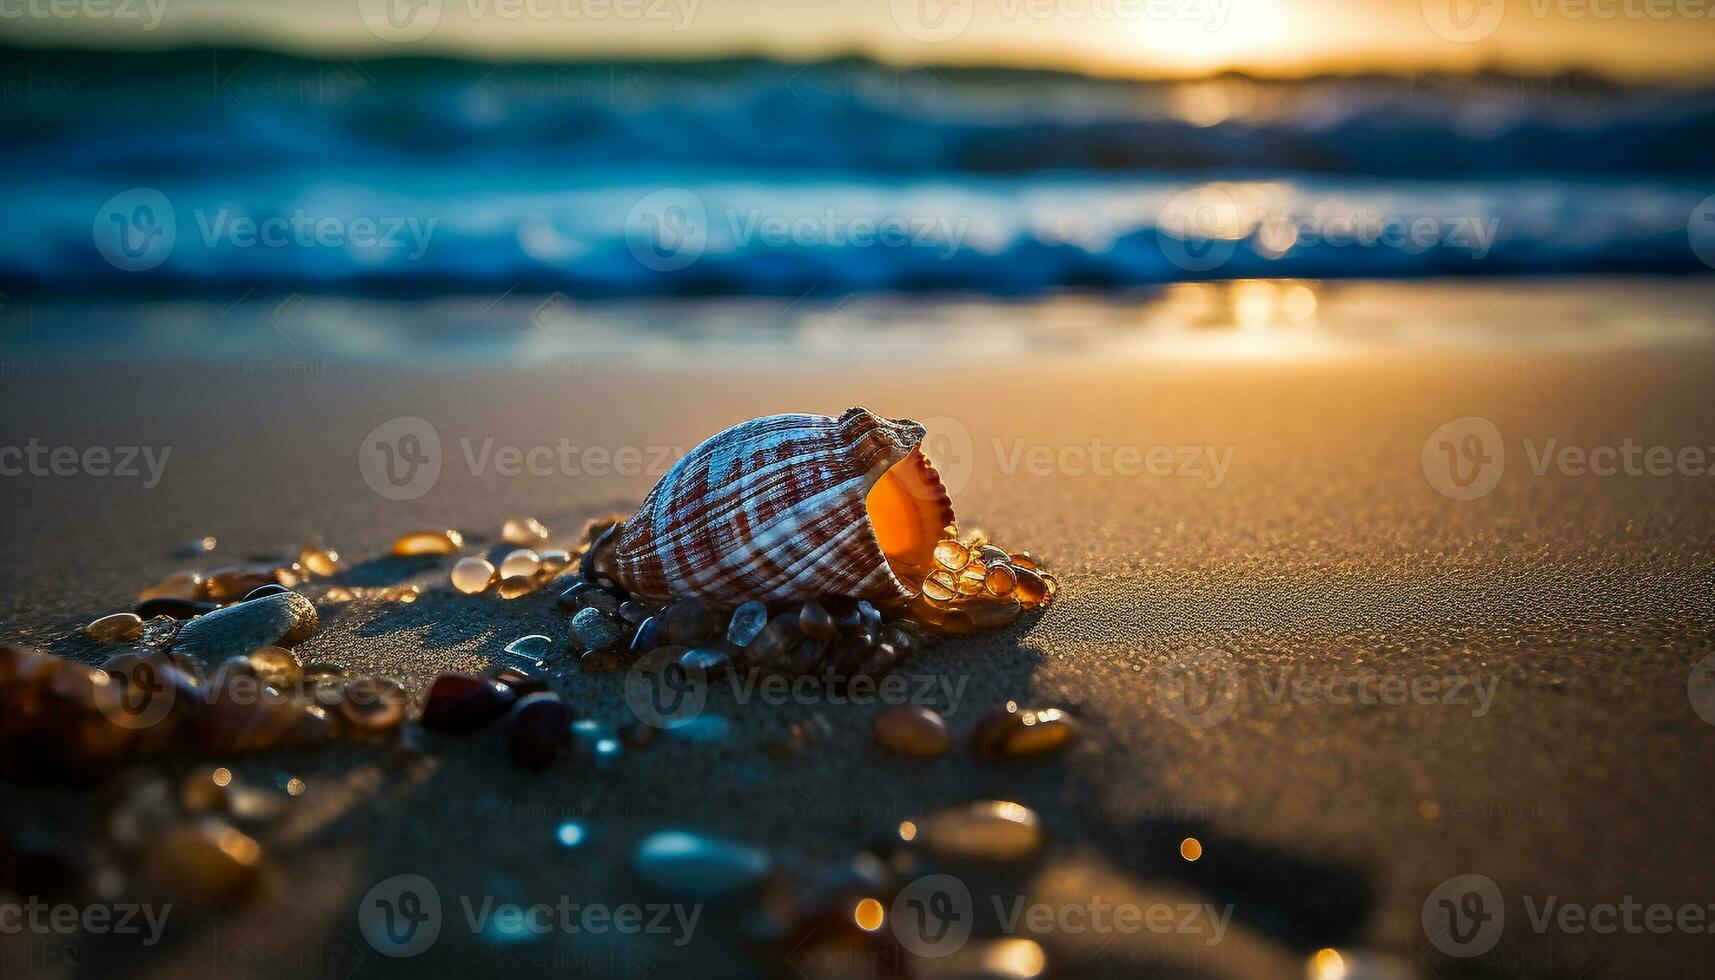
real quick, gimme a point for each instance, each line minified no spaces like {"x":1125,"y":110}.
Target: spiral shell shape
{"x":790,"y":507}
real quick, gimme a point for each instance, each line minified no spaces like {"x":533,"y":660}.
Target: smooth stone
{"x":585,"y":595}
{"x":521,"y":681}
{"x":814,"y":620}
{"x":1040,"y":730}
{"x":459,"y":702}
{"x":909,"y":729}
{"x":176,"y":608}
{"x":747,"y":623}
{"x":179,"y":585}
{"x":206,"y":863}
{"x":696,"y":867}
{"x":870,"y":615}
{"x":277,"y":667}
{"x":770,"y":647}
{"x":535,"y":648}
{"x":650,"y":634}
{"x":236,"y":581}
{"x":594,"y":630}
{"x":635,"y":612}
{"x":708,"y":660}
{"x":690,"y":622}
{"x":986,"y":831}
{"x":372,"y":704}
{"x":264,"y":591}
{"x":276,"y":620}
{"x":537,"y":729}
{"x":116,"y":627}
{"x":992,"y":730}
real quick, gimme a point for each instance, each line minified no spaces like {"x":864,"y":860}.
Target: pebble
{"x":635,"y":612}
{"x":707,"y":661}
{"x":1000,"y":580}
{"x":516,"y":586}
{"x":277,"y":668}
{"x":521,"y":681}
{"x":994,"y":728}
{"x":115,"y":628}
{"x":695,"y":867}
{"x":535,"y":648}
{"x":1032,"y":589}
{"x":276,"y":620}
{"x":909,"y":729}
{"x":176,"y":608}
{"x":537,"y":729}
{"x":208,"y":863}
{"x":460,"y":702}
{"x":650,"y":634}
{"x":428,"y":543}
{"x":179,"y":585}
{"x":690,"y":622}
{"x":372,"y":704}
{"x":264,"y":591}
{"x":523,"y":562}
{"x":814,"y":620}
{"x":988,"y":831}
{"x":472,"y":575}
{"x":243,"y":715}
{"x":523,"y":530}
{"x":594,"y":630}
{"x":233,"y":582}
{"x":1040,"y":730}
{"x":554,"y":559}
{"x":586,"y":595}
{"x":746,"y":623}
{"x":160,"y":632}
{"x":318,"y":559}
{"x":951,"y":555}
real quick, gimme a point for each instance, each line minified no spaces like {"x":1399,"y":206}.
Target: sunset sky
{"x":1636,"y":38}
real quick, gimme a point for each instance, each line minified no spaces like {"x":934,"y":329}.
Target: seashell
{"x":789,"y":507}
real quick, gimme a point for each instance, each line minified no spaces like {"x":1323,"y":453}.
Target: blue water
{"x":174,"y":171}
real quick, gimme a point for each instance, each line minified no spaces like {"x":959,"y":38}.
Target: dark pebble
{"x":995,"y":728}
{"x":459,"y":702}
{"x":176,"y":608}
{"x":650,"y":634}
{"x":372,"y":704}
{"x":770,"y":647}
{"x":520,"y":680}
{"x":588,"y":595}
{"x":814,"y":620}
{"x":881,"y":659}
{"x":747,"y":623}
{"x":635,"y":611}
{"x":282,"y":620}
{"x":593,"y":630}
{"x":910,"y":729}
{"x":709,"y":660}
{"x":537,"y":728}
{"x":690,"y":622}
{"x":263,"y":591}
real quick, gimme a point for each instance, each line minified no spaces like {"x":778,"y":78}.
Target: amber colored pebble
{"x":1039,"y":731}
{"x":909,"y":729}
{"x":428,"y":543}
{"x":372,"y":704}
{"x":114,"y":628}
{"x":991,"y":614}
{"x":995,"y":727}
{"x":988,"y":554}
{"x":1032,"y":588}
{"x":986,"y":832}
{"x":523,"y":562}
{"x":523,"y":530}
{"x":554,"y":559}
{"x":179,"y":585}
{"x":1000,"y":580}
{"x":277,"y":667}
{"x":472,"y":575}
{"x":516,"y":586}
{"x":339,"y":593}
{"x":233,"y":582}
{"x":318,"y":559}
{"x":206,"y":863}
{"x":940,"y":587}
{"x":1023,"y":560}
{"x":951,"y":555}
{"x":970,"y":579}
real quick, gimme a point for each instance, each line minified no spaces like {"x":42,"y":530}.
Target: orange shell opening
{"x":909,"y":512}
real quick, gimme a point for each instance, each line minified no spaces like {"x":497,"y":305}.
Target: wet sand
{"x":1316,"y":554}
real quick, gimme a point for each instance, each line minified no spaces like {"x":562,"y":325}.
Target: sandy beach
{"x":1423,"y":686}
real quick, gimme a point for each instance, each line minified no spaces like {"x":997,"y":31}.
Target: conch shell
{"x":790,"y":507}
